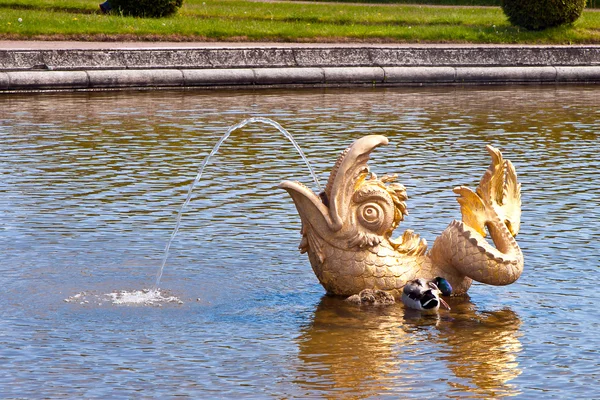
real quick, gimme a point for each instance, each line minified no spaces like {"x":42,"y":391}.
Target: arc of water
{"x":201,"y":170}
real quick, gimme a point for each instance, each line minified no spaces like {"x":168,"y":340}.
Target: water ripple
{"x":90,"y":184}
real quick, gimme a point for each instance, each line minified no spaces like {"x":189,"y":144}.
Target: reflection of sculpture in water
{"x":349,"y":352}
{"x":355,"y":352}
{"x":347,"y":230}
{"x":483,"y":349}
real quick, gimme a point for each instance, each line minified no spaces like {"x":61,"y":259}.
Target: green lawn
{"x":283,"y":21}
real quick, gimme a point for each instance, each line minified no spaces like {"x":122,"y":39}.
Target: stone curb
{"x":305,"y":65}
{"x":281,"y":56}
{"x":134,"y":78}
{"x":383,"y":76}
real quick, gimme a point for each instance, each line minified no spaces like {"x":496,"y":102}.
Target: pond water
{"x":90,"y":184}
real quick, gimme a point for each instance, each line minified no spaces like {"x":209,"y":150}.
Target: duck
{"x":421,"y":294}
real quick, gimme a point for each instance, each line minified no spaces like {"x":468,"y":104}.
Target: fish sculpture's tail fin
{"x":497,"y":196}
{"x":495,"y":206}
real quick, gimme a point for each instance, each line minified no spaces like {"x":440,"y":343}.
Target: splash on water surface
{"x":142,"y":297}
{"x":145,"y":297}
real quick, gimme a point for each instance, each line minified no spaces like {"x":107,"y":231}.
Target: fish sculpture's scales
{"x":347,"y":229}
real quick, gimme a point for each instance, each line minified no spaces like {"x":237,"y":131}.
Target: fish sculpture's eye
{"x":376,"y":217}
{"x":374,"y":209}
{"x":370,"y":215}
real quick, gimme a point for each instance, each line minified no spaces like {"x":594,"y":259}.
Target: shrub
{"x":146,"y":8}
{"x":541,"y":14}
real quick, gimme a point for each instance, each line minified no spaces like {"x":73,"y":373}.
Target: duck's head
{"x":443,"y":285}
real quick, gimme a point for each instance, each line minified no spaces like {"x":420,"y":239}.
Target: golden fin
{"x":498,"y":192}
{"x":491,"y":186}
{"x":472,"y":209}
{"x":410,"y":244}
{"x":511,"y":200}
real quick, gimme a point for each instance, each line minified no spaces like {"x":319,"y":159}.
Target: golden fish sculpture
{"x":347,"y":229}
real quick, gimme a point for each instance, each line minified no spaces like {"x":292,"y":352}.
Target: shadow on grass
{"x":49,"y":7}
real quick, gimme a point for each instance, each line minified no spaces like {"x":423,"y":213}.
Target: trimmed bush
{"x":146,"y":8}
{"x":536,"y":15}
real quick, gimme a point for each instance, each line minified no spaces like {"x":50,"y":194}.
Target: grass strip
{"x":220,"y":20}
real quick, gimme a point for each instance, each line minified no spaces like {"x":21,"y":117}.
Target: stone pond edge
{"x":101,"y":69}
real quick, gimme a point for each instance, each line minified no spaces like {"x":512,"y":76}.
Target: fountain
{"x":347,"y":228}
{"x":154,"y":296}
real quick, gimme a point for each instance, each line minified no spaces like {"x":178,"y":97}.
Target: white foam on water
{"x":145,"y":297}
